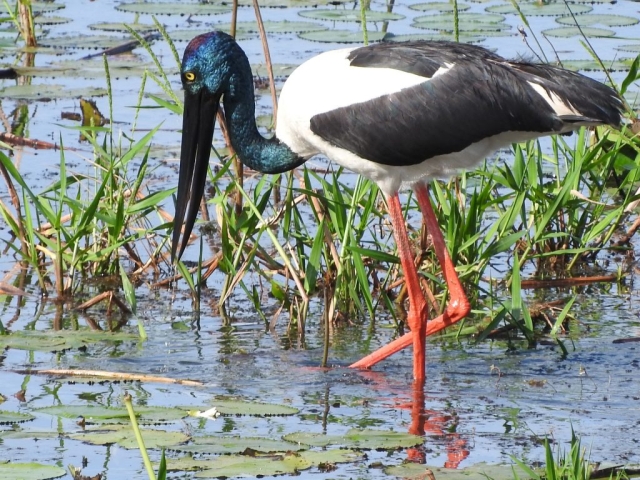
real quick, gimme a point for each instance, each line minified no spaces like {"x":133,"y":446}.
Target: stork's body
{"x":400,"y":114}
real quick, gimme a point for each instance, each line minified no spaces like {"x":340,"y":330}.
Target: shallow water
{"x":483,"y":402}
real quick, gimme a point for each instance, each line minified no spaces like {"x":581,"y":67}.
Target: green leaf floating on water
{"x":242,"y":407}
{"x":29,"y":471}
{"x":173,"y":8}
{"x":14,"y":417}
{"x":350,"y":15}
{"x":123,"y":436}
{"x":599,"y":19}
{"x":122,"y":27}
{"x":340,"y":36}
{"x":41,"y":7}
{"x":533,"y":9}
{"x":84,"y":41}
{"x":51,"y":340}
{"x":226,"y":444}
{"x":565,"y":32}
{"x":94,"y":414}
{"x":358,"y":439}
{"x":439,"y":6}
{"x":480,"y":470}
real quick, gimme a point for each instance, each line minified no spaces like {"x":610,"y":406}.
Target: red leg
{"x":458,"y":306}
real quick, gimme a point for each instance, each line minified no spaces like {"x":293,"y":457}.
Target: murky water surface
{"x":483,"y":402}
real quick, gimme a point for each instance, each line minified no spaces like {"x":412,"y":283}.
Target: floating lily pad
{"x":439,"y":6}
{"x":94,"y":414}
{"x":593,"y":66}
{"x":629,"y":48}
{"x":7,"y":418}
{"x":27,"y":434}
{"x":242,"y":407}
{"x":462,"y":18}
{"x":30,"y":471}
{"x":349,"y":15}
{"x":272,"y":27}
{"x":423,"y":22}
{"x":49,"y":341}
{"x":174,"y":8}
{"x":566,"y":32}
{"x":358,"y":439}
{"x":123,"y":436}
{"x":599,"y":19}
{"x":232,"y":444}
{"x":479,"y":470}
{"x":533,"y":9}
{"x":280,"y":70}
{"x":466,"y":37}
{"x":85,"y":41}
{"x":243,"y":466}
{"x":290,"y":3}
{"x":41,"y":7}
{"x":44,"y":20}
{"x":340,"y":36}
{"x":122,"y":27}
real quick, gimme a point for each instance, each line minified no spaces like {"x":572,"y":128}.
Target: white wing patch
{"x":561,"y":108}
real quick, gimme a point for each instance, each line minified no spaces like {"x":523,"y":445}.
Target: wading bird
{"x":401,"y":114}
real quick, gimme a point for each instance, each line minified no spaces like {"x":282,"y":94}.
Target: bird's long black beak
{"x":198,"y":122}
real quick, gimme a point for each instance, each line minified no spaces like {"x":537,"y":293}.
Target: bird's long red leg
{"x":458,"y":306}
{"x":417,"y":304}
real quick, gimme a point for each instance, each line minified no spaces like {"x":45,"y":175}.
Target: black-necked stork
{"x":400,"y":114}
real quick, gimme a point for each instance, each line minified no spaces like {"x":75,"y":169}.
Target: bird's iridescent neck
{"x":255,"y":151}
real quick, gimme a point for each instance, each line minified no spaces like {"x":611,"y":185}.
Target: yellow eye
{"x":190,"y":76}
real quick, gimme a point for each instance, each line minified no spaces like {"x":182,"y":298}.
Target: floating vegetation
{"x":122,"y":27}
{"x":96,"y":414}
{"x":463,"y":17}
{"x":600,"y":19}
{"x":426,"y":23}
{"x":90,"y":68}
{"x":121,"y":435}
{"x":290,"y":3}
{"x":58,"y":340}
{"x":84,"y":41}
{"x":173,"y":8}
{"x":350,"y":15}
{"x":439,"y":6}
{"x":40,"y":7}
{"x":242,"y":407}
{"x":272,"y":27}
{"x":464,"y":38}
{"x":43,"y":20}
{"x":634,"y":48}
{"x":9,"y":418}
{"x":340,"y":36}
{"x":358,"y":439}
{"x":533,"y":9}
{"x":593,"y":65}
{"x":30,"y":471}
{"x":565,"y":32}
{"x":226,"y":444}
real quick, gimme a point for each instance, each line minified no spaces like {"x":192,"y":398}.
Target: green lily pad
{"x":123,"y":436}
{"x":27,"y":434}
{"x":422,"y":22}
{"x":173,"y":8}
{"x":466,"y":37}
{"x":629,"y":48}
{"x":44,"y":20}
{"x":599,"y":19}
{"x":350,"y":15}
{"x":30,"y":471}
{"x":85,"y":41}
{"x":289,"y":3}
{"x":51,"y":340}
{"x":243,"y":28}
{"x":340,"y":36}
{"x":242,"y":407}
{"x":280,"y":70}
{"x":447,"y":18}
{"x":439,"y":6}
{"x":41,"y":7}
{"x":94,"y":414}
{"x":14,"y":417}
{"x":232,"y":444}
{"x":358,"y":439}
{"x":243,"y":466}
{"x":591,"y":65}
{"x":187,"y":35}
{"x":566,"y":32}
{"x":534,"y":9}
{"x":479,"y":470}
{"x":93,"y":68}
{"x":122,"y":27}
